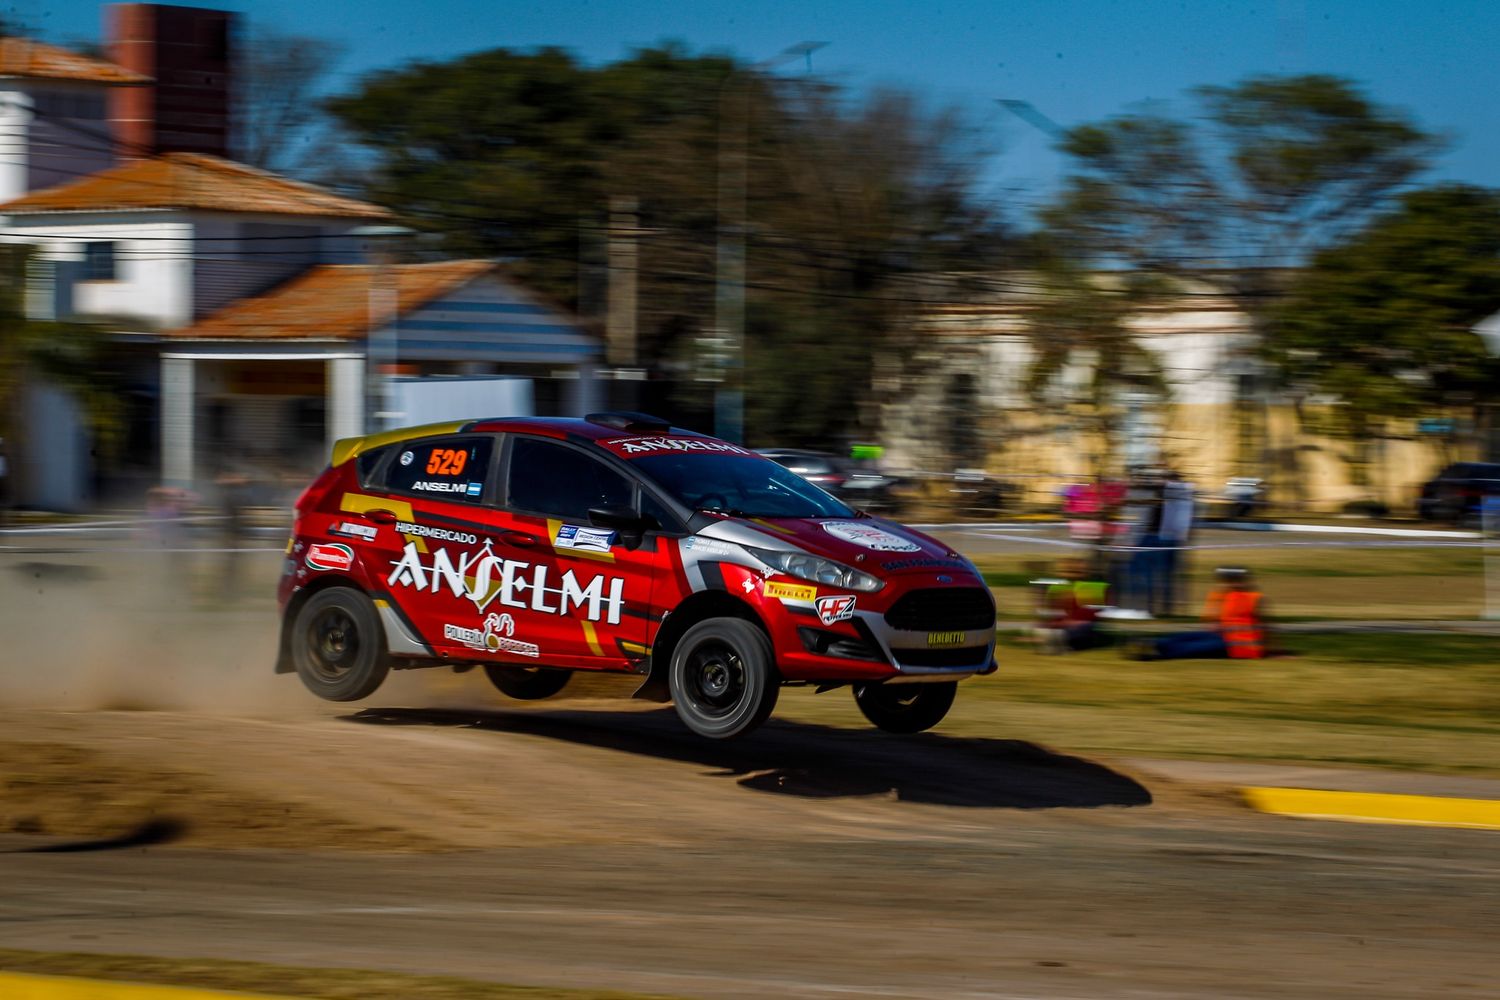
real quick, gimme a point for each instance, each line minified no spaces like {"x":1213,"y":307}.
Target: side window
{"x":442,"y":468}
{"x":652,"y":507}
{"x":548,"y":478}
{"x":368,"y":462}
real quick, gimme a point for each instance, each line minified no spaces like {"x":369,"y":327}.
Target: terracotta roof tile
{"x":332,"y":301}
{"x":25,"y":57}
{"x":191,"y":181}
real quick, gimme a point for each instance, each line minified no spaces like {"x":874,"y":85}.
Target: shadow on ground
{"x":813,"y":761}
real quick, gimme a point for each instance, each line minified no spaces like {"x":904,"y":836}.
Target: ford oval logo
{"x":945,"y":579}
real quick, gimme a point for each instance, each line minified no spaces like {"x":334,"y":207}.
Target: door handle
{"x":379,"y":516}
{"x":519,"y":539}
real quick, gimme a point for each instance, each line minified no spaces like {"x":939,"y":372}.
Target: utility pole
{"x":622,"y":348}
{"x":729,"y":289}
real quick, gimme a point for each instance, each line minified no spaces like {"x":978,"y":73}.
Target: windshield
{"x":742,"y":485}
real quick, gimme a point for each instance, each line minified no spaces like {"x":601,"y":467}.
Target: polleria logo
{"x":336,"y":555}
{"x":484,"y":578}
{"x":835,"y":609}
{"x":494,"y":637}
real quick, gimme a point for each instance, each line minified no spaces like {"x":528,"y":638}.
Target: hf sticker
{"x":835,"y":609}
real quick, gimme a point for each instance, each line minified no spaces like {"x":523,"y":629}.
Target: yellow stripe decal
{"x":24,"y":986}
{"x":1374,"y":807}
{"x":774,"y":527}
{"x":593,"y":638}
{"x":360,"y":503}
{"x":347,"y":448}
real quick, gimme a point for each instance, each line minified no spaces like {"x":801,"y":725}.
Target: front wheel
{"x":905,"y":708}
{"x":338,"y":646}
{"x":723,"y":678}
{"x":527,"y":683}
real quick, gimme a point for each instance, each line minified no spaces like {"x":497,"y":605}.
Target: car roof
{"x":593,"y":428}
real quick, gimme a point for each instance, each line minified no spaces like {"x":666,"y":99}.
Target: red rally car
{"x":536,"y":547}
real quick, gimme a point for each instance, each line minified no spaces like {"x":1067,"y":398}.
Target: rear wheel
{"x":723,"y":678}
{"x":905,"y":708}
{"x":527,"y":683}
{"x":338,"y":646}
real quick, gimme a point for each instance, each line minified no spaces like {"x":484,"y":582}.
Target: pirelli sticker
{"x":789,"y":591}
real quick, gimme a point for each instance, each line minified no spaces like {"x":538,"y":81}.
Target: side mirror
{"x":631,"y":526}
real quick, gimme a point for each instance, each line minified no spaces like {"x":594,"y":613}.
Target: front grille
{"x":963,"y":656}
{"x":943,"y":609}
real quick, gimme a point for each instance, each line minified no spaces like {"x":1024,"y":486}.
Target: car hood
{"x":868,"y":543}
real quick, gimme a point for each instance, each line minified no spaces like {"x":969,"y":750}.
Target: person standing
{"x":1174,"y":533}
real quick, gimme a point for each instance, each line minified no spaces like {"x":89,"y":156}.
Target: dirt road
{"x":435,"y":828}
{"x":594,"y":846}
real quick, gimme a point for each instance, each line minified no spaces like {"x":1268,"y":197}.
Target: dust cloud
{"x":144,"y":631}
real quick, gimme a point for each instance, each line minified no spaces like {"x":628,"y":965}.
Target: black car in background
{"x":866,"y":489}
{"x":1458,"y":492}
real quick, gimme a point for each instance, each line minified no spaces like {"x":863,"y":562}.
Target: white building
{"x":238,"y":299}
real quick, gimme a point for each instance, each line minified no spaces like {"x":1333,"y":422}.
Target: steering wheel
{"x":702,"y":503}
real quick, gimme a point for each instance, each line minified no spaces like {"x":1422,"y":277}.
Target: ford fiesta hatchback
{"x":538,"y":547}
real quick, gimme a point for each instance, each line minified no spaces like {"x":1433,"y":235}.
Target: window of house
{"x":99,"y":262}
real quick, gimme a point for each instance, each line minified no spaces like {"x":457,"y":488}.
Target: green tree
{"x":1085,"y":356}
{"x":1384,"y":323}
{"x":68,"y":355}
{"x":517,"y":155}
{"x":1274,"y":170}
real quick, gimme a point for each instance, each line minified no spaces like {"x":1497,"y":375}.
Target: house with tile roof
{"x":54,"y":114}
{"x":252,"y":326}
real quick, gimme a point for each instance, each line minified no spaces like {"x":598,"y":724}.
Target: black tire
{"x":723,"y":678}
{"x":527,"y":683}
{"x":905,"y":708}
{"x":338,"y":645}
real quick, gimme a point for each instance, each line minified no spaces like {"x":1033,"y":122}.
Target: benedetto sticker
{"x":870,"y":536}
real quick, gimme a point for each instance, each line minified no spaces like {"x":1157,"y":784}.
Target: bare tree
{"x":280,"y":121}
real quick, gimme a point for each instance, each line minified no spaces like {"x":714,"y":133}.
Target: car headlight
{"x":810,"y":567}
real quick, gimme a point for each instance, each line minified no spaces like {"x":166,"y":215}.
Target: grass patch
{"x":1420,"y":702}
{"x":278,"y":980}
{"x":1303,"y":582}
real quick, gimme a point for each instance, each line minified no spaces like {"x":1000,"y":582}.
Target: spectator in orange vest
{"x":1236,"y":608}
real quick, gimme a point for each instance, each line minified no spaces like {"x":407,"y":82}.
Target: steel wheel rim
{"x":333,"y":643}
{"x":715,"y":679}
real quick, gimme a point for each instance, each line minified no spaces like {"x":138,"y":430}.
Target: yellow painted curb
{"x":1374,"y":807}
{"x":25,"y":986}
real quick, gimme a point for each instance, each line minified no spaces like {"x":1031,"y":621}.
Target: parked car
{"x":866,"y":489}
{"x":534,"y":548}
{"x":1457,"y":493}
{"x":1245,"y":495}
{"x":975,"y":493}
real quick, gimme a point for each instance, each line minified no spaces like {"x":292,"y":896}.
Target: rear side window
{"x":369,"y":461}
{"x":442,"y":468}
{"x":550,"y":478}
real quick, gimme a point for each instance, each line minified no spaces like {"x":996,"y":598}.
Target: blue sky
{"x":1074,"y":60}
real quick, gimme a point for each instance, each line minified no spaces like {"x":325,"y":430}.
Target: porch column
{"x":177,"y":421}
{"x":346,"y":398}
